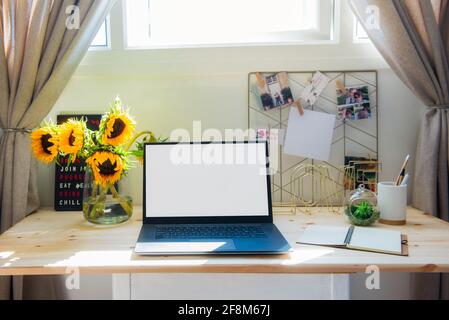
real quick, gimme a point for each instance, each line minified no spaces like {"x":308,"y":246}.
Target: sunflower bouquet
{"x":107,"y":153}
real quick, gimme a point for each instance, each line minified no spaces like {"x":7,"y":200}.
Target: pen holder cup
{"x":392,"y":203}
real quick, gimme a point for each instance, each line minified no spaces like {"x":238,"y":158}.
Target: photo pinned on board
{"x":263,"y":134}
{"x":361,"y":170}
{"x":274,"y":90}
{"x":354,"y":103}
{"x":272,"y":135}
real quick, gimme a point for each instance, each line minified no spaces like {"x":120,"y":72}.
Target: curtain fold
{"x":413,"y":37}
{"x":38,"y":55}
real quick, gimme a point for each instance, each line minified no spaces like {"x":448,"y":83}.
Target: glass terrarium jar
{"x":105,"y":204}
{"x":361,"y":207}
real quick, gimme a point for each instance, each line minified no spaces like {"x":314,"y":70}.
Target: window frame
{"x":356,"y":37}
{"x":107,"y":46}
{"x":310,"y":36}
{"x":123,"y":62}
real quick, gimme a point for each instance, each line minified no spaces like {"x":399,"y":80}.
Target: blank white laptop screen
{"x":206,"y":180}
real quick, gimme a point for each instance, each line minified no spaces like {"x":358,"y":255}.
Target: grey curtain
{"x":38,"y":55}
{"x":413,"y":37}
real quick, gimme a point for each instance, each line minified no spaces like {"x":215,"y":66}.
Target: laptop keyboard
{"x":209,"y":231}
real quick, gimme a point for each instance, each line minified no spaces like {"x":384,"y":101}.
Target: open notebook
{"x":357,"y":238}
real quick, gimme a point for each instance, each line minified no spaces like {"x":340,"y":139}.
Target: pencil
{"x":402,"y":172}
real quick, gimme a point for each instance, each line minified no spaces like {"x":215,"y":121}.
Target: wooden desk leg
{"x":121,"y":286}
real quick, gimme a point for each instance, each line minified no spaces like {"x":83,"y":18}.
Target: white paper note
{"x":311,"y":93}
{"x":310,"y":135}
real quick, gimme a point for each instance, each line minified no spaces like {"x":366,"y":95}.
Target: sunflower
{"x":71,"y":137}
{"x":116,"y":126}
{"x":45,"y":142}
{"x":107,"y":167}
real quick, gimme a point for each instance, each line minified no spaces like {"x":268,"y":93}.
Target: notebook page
{"x":324,"y":235}
{"x":378,"y":240}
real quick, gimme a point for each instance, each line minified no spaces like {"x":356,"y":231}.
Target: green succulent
{"x":363,"y":210}
{"x":362,"y":214}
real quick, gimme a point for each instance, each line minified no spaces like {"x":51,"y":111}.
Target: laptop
{"x":208,"y":198}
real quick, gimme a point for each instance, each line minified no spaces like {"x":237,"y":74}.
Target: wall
{"x":219,"y":100}
{"x":169,"y":89}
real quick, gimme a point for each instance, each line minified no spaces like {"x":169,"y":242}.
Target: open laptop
{"x":208,"y":198}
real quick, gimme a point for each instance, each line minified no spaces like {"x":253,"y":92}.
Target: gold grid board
{"x":356,"y":138}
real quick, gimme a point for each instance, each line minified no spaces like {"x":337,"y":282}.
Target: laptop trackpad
{"x":186,"y":246}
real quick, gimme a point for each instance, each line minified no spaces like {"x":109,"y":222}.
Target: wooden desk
{"x":48,"y":242}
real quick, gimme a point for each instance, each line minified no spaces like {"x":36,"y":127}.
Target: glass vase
{"x":361,"y":207}
{"x":105,"y":205}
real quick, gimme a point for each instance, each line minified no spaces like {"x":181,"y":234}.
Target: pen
{"x":402,"y":172}
{"x":405,"y":180}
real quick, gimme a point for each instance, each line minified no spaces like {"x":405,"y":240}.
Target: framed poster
{"x":69,"y":180}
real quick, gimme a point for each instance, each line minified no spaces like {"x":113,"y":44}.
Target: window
{"x":178,"y":23}
{"x":101,"y":39}
{"x":360,"y":34}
